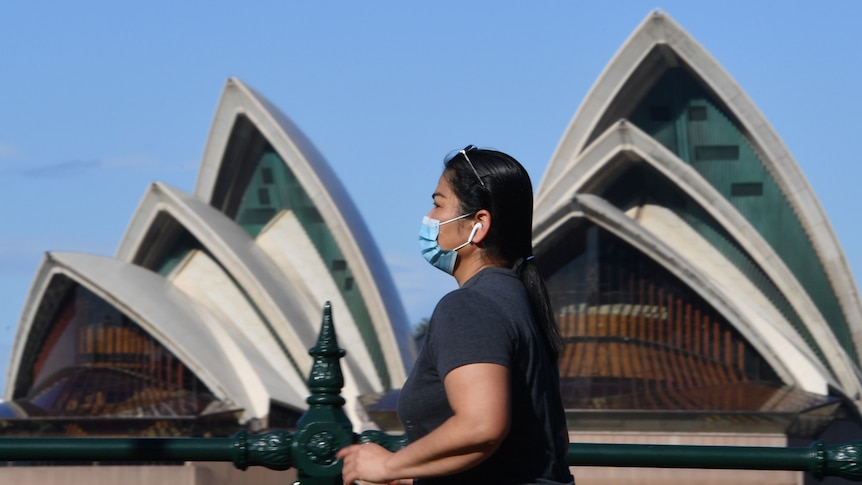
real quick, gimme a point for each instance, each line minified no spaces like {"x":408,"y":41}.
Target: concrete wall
{"x":198,"y":473}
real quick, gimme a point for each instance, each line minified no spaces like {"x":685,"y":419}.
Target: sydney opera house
{"x":701,"y":291}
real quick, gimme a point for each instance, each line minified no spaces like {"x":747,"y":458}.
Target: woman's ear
{"x":483,"y":220}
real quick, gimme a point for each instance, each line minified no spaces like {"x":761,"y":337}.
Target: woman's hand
{"x":366,"y":462}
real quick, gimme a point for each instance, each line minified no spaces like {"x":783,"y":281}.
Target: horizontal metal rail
{"x":278,"y":450}
{"x":119,"y":449}
{"x":819,"y":459}
{"x":271,"y":450}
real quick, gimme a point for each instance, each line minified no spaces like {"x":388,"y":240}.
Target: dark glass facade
{"x":91,"y":360}
{"x":638,"y":338}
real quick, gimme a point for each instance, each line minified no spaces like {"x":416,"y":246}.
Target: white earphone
{"x":476,"y":228}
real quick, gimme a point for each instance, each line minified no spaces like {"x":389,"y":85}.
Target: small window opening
{"x":706,"y":153}
{"x":697,"y":113}
{"x":266,"y":175}
{"x":746,"y":189}
{"x":263,"y":196}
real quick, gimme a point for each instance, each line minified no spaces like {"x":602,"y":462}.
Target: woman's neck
{"x":471,"y":264}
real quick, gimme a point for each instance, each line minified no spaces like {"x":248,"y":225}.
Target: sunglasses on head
{"x":464,"y":151}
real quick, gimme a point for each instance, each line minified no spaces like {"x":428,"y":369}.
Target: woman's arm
{"x":479,"y":397}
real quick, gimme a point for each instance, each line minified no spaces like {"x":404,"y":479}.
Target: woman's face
{"x":446,"y":207}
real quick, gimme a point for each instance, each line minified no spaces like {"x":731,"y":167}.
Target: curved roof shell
{"x":164,"y":212}
{"x":224,"y":361}
{"x":229,"y":270}
{"x":597,"y":147}
{"x":246,"y":123}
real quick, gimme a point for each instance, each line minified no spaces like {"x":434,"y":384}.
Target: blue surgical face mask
{"x":442,"y":259}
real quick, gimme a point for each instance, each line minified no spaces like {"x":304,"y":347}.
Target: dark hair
{"x":496,"y":182}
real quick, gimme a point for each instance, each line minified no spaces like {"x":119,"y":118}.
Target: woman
{"x":482,"y":403}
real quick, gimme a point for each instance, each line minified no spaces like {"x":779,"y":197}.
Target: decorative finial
{"x":326,"y":380}
{"x":324,"y":428}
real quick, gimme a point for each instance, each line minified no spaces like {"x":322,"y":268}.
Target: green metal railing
{"x":324,"y":428}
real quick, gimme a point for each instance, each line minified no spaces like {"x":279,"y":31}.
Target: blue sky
{"x":99,"y":99}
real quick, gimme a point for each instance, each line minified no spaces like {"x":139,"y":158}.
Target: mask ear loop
{"x":476,"y":228}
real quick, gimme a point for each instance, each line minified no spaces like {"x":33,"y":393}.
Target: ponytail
{"x":541,"y":305}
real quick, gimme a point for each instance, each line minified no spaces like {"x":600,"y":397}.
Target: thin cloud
{"x":71,"y":168}
{"x":138,"y":162}
{"x":76,"y":168}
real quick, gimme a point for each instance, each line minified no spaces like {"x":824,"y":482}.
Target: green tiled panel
{"x":681,"y":115}
{"x":273,"y":188}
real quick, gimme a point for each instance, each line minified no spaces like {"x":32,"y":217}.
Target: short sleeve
{"x":469,"y":329}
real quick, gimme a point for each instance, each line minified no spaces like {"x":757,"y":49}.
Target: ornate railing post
{"x":842,"y":460}
{"x":324,"y":428}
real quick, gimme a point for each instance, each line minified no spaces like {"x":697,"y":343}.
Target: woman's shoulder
{"x":492,"y":290}
{"x":455,"y":300}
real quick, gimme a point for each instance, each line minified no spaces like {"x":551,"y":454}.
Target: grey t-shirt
{"x":489,"y":320}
